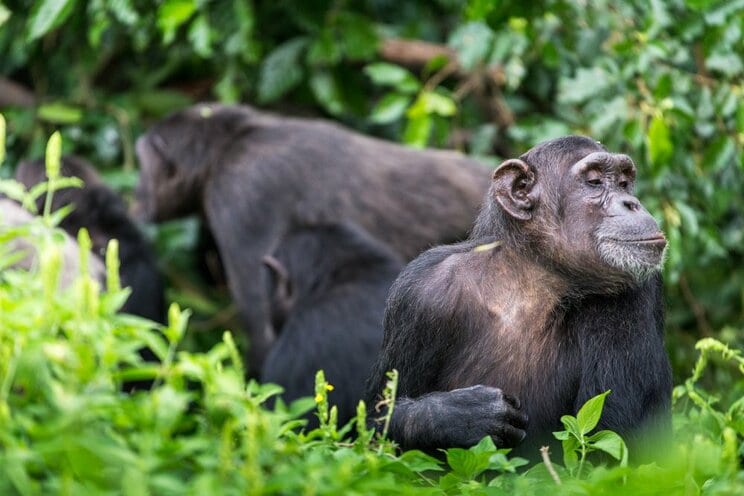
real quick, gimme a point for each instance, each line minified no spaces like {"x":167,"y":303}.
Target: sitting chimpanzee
{"x":255,"y":176}
{"x":99,"y":209}
{"x":555,"y":298}
{"x":327,"y":286}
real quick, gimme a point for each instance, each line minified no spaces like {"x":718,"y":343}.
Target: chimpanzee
{"x":327,"y":286}
{"x":99,"y":209}
{"x":13,"y":215}
{"x":255,"y":176}
{"x":555,"y":298}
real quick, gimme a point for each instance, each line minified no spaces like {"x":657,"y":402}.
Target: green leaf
{"x":611,"y":443}
{"x":571,"y":425}
{"x":4,"y":14}
{"x":660,"y":146}
{"x":421,"y":462}
{"x":357,"y":36}
{"x":418,"y":130}
{"x":471,"y":462}
{"x":200,"y":36}
{"x":324,"y":50}
{"x":46,"y":15}
{"x":385,"y":74}
{"x":473,"y":43}
{"x":172,"y":14}
{"x":587,"y":84}
{"x":60,"y":113}
{"x":390,"y":108}
{"x":570,"y":456}
{"x":281,"y":70}
{"x":327,"y":92}
{"x":590,"y":413}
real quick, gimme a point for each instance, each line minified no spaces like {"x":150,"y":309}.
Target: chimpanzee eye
{"x":624,"y":184}
{"x":594,"y":182}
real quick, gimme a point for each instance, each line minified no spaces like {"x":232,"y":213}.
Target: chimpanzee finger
{"x":517,"y":418}
{"x":513,"y":401}
{"x":507,"y":436}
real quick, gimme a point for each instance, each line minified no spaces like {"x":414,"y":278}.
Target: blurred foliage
{"x":660,"y":80}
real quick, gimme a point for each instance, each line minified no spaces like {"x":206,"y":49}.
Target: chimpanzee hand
{"x":458,"y":418}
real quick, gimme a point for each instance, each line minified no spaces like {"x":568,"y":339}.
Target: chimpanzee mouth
{"x":652,"y":241}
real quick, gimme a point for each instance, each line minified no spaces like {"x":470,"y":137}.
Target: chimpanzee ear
{"x":514,"y":188}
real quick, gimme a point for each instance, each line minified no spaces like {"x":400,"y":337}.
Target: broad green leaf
{"x":571,"y":425}
{"x":417,"y":131}
{"x":46,"y":15}
{"x":324,"y":50}
{"x":357,"y":36}
{"x":473,"y":43}
{"x":590,"y":413}
{"x":390,"y":108}
{"x":4,"y":14}
{"x":570,"y":455}
{"x":172,"y":14}
{"x":688,"y":217}
{"x":60,"y":113}
{"x":281,"y":70}
{"x":421,"y":462}
{"x":587,"y":84}
{"x":327,"y":92}
{"x":469,"y":463}
{"x":660,"y":146}
{"x":385,"y":74}
{"x":200,"y":36}
{"x":611,"y":443}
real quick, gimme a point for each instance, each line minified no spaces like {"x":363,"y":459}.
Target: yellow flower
{"x":318,"y":398}
{"x":329,"y":387}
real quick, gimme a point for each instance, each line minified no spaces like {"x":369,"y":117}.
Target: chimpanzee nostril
{"x":632,"y":205}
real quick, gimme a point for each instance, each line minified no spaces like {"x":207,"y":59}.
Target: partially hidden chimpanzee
{"x":103,"y":212}
{"x":255,"y":176}
{"x":13,"y":216}
{"x":328,"y":285}
{"x":556,"y":298}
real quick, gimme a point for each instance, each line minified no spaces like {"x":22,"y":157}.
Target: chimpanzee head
{"x":176,"y":154}
{"x":572,"y":202}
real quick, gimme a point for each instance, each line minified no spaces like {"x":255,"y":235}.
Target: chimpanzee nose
{"x":624,"y":204}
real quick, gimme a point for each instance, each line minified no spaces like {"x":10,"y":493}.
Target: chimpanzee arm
{"x":423,"y":325}
{"x":245,"y":229}
{"x":622,"y":349}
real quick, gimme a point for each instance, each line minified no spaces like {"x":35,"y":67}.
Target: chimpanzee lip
{"x":657,"y":239}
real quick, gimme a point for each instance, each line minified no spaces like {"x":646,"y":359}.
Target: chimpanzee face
{"x":175,"y":157}
{"x":603,"y":222}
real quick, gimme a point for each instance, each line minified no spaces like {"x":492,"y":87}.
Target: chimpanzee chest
{"x":540,"y":365}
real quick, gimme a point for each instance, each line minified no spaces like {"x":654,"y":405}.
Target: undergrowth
{"x":67,"y":426}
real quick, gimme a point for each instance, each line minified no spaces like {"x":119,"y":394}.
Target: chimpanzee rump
{"x":256,"y":176}
{"x":99,"y":209}
{"x":327,"y":286}
{"x":554,"y":299}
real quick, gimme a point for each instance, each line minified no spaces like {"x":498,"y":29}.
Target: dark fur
{"x":256,"y":176}
{"x":538,"y":330}
{"x":99,"y":209}
{"x":338,"y":279}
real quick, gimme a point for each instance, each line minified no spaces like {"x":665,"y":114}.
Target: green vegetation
{"x":661,"y":81}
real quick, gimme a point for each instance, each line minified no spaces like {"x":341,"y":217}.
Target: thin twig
{"x":697,"y":309}
{"x":549,"y":465}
